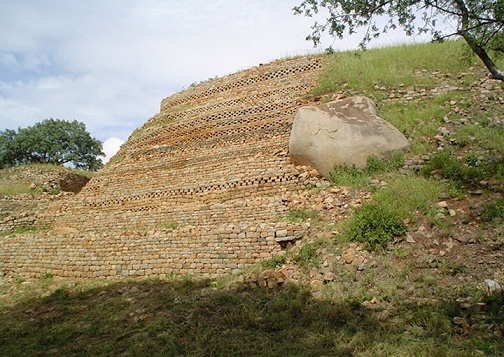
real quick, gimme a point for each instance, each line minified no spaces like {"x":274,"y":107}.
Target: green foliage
{"x":182,"y":318}
{"x":374,"y":224}
{"x":468,"y":170}
{"x":349,"y":176}
{"x":409,"y":194}
{"x":170,"y":225}
{"x":308,"y":254}
{"x":352,"y":176}
{"x":479,"y":23}
{"x":493,"y":211}
{"x":302,"y":215}
{"x":274,"y":262}
{"x":51,"y":141}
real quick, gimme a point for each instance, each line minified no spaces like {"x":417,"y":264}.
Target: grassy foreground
{"x":192,"y":318}
{"x":409,"y":304}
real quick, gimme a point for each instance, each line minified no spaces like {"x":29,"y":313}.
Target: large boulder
{"x":342,"y":132}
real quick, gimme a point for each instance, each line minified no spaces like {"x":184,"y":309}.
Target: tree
{"x":479,"y":22}
{"x":8,"y":148}
{"x":51,"y":141}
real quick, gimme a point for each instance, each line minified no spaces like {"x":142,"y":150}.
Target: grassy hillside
{"x":414,"y":271}
{"x":35,"y":179}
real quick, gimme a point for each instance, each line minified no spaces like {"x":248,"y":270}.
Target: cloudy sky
{"x":110,"y":63}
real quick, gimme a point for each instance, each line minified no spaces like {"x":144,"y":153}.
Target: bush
{"x":466,"y":171}
{"x":374,"y":224}
{"x":308,"y":254}
{"x":493,"y":211}
{"x":274,"y":262}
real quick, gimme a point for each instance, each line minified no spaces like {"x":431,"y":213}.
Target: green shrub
{"x":493,"y":211}
{"x":274,"y":262}
{"x":302,"y":215}
{"x":374,"y":224}
{"x":463,"y":171}
{"x":308,"y":255}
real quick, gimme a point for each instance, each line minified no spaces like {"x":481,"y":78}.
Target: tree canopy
{"x":479,"y":22}
{"x":52,"y":141}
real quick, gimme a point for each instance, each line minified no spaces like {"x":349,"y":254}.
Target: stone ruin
{"x":198,"y":190}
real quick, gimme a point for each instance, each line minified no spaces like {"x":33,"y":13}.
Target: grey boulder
{"x":342,"y":132}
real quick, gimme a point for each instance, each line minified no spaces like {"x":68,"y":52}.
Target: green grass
{"x":409,"y":194}
{"x":302,"y":215}
{"x":418,"y":121}
{"x":390,"y":67}
{"x":415,"y":314}
{"x":20,"y":230}
{"x":352,"y":176}
{"x":308,"y":255}
{"x":468,"y":171}
{"x":8,"y":188}
{"x":374,"y":225}
{"x":274,"y":262}
{"x":190,"y":318}
{"x":378,"y":222}
{"x":13,"y":181}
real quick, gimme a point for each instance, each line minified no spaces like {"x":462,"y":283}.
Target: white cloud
{"x":110,"y":147}
{"x":110,"y":63}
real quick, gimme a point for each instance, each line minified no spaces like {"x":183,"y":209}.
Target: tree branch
{"x":472,"y":42}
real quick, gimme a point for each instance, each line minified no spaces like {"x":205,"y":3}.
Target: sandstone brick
{"x":204,"y":176}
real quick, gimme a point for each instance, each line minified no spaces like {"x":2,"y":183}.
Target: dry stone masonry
{"x":199,"y":189}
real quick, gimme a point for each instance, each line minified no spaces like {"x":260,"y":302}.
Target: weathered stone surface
{"x":197,"y":190}
{"x":342,"y":132}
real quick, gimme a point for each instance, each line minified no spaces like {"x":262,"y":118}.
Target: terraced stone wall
{"x":199,"y":189}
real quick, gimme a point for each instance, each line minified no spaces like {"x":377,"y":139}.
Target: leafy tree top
{"x":479,"y":22}
{"x":51,"y":141}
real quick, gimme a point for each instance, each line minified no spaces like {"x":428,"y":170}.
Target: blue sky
{"x":110,"y":63}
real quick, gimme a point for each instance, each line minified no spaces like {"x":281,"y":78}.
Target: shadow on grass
{"x":188,"y":318}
